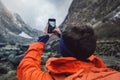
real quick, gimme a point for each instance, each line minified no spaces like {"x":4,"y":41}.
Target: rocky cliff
{"x":103,"y":15}
{"x":13,"y":28}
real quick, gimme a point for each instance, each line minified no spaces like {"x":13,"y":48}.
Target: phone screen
{"x":51,"y":25}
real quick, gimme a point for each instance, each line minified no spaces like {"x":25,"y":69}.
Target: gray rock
{"x":104,"y":15}
{"x":118,"y":55}
{"x":3,"y":70}
{"x":15,"y":59}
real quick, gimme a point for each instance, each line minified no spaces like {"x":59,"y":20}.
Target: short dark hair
{"x":80,"y":40}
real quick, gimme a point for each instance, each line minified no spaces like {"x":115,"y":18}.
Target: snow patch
{"x":117,"y":15}
{"x":23,"y":34}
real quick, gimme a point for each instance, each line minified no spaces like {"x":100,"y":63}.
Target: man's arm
{"x":30,"y":68}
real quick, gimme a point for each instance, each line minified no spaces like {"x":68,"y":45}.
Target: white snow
{"x":23,"y":34}
{"x":117,"y":15}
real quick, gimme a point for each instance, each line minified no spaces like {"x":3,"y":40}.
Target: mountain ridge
{"x":96,"y":13}
{"x":12,"y":26}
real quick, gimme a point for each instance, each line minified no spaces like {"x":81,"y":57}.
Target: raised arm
{"x":30,"y":68}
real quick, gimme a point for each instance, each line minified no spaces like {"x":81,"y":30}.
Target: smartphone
{"x":51,"y":25}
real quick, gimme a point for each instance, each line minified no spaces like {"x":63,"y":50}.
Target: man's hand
{"x":45,"y":32}
{"x":57,"y":31}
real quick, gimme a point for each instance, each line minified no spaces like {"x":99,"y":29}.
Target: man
{"x":77,"y":45}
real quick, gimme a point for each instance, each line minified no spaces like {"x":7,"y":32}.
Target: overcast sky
{"x":36,"y":12}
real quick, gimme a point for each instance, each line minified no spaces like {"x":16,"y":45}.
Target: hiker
{"x":77,"y":45}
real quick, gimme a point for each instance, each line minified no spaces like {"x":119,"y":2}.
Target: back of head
{"x":80,"y":40}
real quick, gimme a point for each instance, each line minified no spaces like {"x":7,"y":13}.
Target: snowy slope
{"x":23,"y":34}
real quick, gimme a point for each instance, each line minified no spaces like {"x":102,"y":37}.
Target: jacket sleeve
{"x":30,"y":68}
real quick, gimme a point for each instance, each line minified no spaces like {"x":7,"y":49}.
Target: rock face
{"x":103,"y":15}
{"x":10,"y":56}
{"x":13,"y":28}
{"x":109,"y":51}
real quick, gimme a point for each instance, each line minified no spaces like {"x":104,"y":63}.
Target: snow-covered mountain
{"x":14,"y":29}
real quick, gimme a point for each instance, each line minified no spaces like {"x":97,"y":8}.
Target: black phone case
{"x":51,"y":28}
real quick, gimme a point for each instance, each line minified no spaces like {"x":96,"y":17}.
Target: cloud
{"x":36,"y":12}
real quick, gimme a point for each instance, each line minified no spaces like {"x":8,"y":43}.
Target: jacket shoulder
{"x":95,"y":74}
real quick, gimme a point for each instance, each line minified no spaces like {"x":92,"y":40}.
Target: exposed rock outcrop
{"x":103,"y":15}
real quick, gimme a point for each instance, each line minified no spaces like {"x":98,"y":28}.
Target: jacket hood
{"x":65,"y":65}
{"x":71,"y":65}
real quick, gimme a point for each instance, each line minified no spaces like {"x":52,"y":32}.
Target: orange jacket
{"x":66,"y":68}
